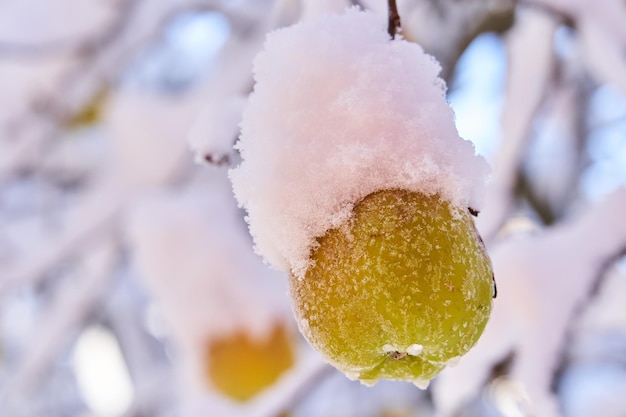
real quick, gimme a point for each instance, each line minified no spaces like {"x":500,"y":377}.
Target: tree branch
{"x":394,"y":19}
{"x":293,"y":389}
{"x":61,"y":321}
{"x":88,"y":44}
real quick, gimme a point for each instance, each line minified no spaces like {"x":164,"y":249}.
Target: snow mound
{"x":340,"y":111}
{"x":213,"y":133}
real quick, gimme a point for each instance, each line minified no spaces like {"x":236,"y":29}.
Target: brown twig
{"x":218,"y":160}
{"x":394,"y":19}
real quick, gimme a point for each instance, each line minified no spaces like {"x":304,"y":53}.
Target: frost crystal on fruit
{"x":406,"y":277}
{"x":357,"y":183}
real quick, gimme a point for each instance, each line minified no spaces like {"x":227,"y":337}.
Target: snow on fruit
{"x":357,"y":184}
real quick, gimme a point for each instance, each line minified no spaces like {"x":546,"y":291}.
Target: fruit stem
{"x":394,"y":19}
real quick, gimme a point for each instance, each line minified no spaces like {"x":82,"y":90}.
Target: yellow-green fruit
{"x":403,"y":288}
{"x":240,"y":366}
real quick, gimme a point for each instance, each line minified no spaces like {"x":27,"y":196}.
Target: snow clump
{"x":339,"y":111}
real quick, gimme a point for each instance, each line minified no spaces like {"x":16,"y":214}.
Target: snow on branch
{"x":602,"y":32}
{"x":90,"y":222}
{"x":527,"y":82}
{"x":70,"y":308}
{"x":72,"y":43}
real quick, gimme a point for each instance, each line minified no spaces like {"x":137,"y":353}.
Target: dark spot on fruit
{"x":398,"y":355}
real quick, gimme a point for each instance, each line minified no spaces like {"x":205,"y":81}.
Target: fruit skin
{"x":240,"y":366}
{"x":403,"y":288}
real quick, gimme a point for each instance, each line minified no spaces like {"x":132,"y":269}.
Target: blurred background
{"x":128,"y":284}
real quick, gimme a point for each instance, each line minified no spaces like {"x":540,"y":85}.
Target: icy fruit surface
{"x":241,"y":366}
{"x":397,"y":292}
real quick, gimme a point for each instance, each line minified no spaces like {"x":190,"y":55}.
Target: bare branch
{"x":394,"y":19}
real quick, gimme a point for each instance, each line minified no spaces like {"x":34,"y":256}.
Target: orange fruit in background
{"x":240,"y":366}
